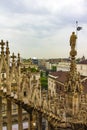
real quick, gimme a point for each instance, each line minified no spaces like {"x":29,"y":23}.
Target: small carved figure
{"x":73,"y":38}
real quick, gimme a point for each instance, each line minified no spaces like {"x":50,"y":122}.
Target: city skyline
{"x":37,"y":28}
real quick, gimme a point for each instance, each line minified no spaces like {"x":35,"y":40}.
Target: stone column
{"x":29,"y":125}
{"x":9,"y":117}
{"x":32,"y":121}
{"x":1,"y":121}
{"x":39,"y":121}
{"x":20,"y":123}
{"x":48,"y":126}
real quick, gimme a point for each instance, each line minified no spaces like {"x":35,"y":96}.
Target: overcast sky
{"x":42,"y":28}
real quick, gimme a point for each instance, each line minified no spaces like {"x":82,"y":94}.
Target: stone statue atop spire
{"x":73,"y":38}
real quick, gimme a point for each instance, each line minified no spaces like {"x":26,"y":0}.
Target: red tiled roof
{"x":61,"y":76}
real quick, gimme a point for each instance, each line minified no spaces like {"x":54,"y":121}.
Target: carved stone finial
{"x":13,"y":57}
{"x":6,"y":43}
{"x":2,"y":43}
{"x":18,"y":55}
{"x":7,"y":48}
{"x":2,"y":46}
{"x":18,"y":61}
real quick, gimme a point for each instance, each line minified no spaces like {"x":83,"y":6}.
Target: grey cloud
{"x":34,"y":25}
{"x":19,"y":7}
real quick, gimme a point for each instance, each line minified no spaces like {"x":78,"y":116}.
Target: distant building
{"x":35,"y":60}
{"x":60,"y":64}
{"x":83,"y":58}
{"x":82,"y":67}
{"x":28,"y":64}
{"x":64,"y":66}
{"x":48,"y":65}
{"x":42,"y":64}
{"x":57,"y":80}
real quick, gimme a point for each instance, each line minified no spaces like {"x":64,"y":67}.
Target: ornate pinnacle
{"x":2,"y":46}
{"x":2,"y":43}
{"x":74,"y":81}
{"x":7,"y":48}
{"x":7,"y":44}
{"x":18,"y":56}
{"x":13,"y":57}
{"x":18,"y":62}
